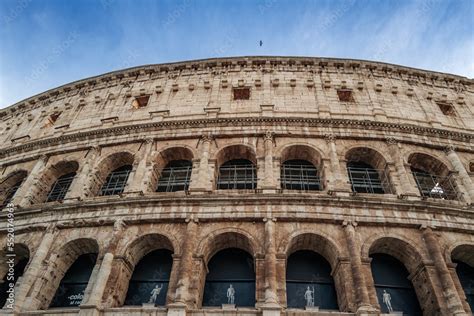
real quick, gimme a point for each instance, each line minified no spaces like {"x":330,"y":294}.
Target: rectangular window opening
{"x":345,"y":95}
{"x":53,"y":118}
{"x":241,"y":93}
{"x":447,"y":109}
{"x":140,"y":102}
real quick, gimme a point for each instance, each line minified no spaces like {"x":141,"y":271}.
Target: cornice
{"x":307,"y":63}
{"x":55,"y":211}
{"x":244,"y":121}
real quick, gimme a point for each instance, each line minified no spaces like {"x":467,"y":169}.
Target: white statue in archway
{"x":154,"y":293}
{"x":387,"y":299}
{"x":230,"y":295}
{"x":309,"y":297}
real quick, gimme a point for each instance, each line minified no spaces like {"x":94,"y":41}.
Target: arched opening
{"x":299,"y":174}
{"x":175,"y":176}
{"x":236,"y":168}
{"x":60,"y":187}
{"x":10,"y":185}
{"x":368,"y":172}
{"x":309,"y":282}
{"x":395,"y":292}
{"x":172,"y":170}
{"x":463,"y":256}
{"x":432,"y":177}
{"x":72,"y":286}
{"x":231,"y":279}
{"x":14,"y":269}
{"x":301,"y":168}
{"x":116,"y":181}
{"x":150,"y":279}
{"x":55,"y":182}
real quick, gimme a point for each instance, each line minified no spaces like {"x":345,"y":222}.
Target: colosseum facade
{"x":241,"y":186}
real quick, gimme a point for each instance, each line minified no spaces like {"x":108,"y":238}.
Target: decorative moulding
{"x":212,"y":111}
{"x":110,"y":119}
{"x":20,"y":139}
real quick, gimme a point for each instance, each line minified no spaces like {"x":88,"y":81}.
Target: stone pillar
{"x":361,"y":292}
{"x":95,"y":299}
{"x":23,"y":197}
{"x":269,"y":184}
{"x":338,"y":181}
{"x":32,"y":274}
{"x":80,"y":187}
{"x":270,"y":306}
{"x":449,"y":289}
{"x":457,"y":283}
{"x":463,"y":175}
{"x":270,"y":262}
{"x":136,"y":184}
{"x":200,"y":181}
{"x":183,"y":299}
{"x":404,"y":187}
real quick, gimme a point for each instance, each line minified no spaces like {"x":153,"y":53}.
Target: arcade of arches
{"x":266,"y":265}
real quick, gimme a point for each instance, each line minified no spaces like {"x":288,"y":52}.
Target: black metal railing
{"x":174,"y":179}
{"x":238,"y":176}
{"x":116,"y":181}
{"x":300,"y":177}
{"x":368,"y":180}
{"x":60,"y":187}
{"x":436,"y":187}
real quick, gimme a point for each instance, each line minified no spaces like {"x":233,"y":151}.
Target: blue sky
{"x":48,"y":43}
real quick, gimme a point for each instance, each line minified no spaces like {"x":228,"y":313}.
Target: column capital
{"x":208,"y":137}
{"x":149,"y":141}
{"x":349,"y":223}
{"x":268,"y":136}
{"x":44,"y":158}
{"x":390,"y":140}
{"x":329,"y":138}
{"x":450,"y":148}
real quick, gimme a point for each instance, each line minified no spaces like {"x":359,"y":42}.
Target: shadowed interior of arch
{"x":309,"y":282}
{"x":175,"y":176}
{"x":432,"y":177}
{"x":463,"y":257}
{"x":70,"y":292}
{"x":150,"y":279}
{"x":367,"y":171}
{"x":10,"y":186}
{"x":297,"y":174}
{"x":237,"y":174}
{"x":395,"y":292}
{"x":21,"y":259}
{"x":231,"y":279}
{"x":116,"y":181}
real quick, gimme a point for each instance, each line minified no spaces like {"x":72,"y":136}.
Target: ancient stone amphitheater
{"x":241,"y":186}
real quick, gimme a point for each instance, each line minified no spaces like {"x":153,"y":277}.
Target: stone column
{"x":32,"y":274}
{"x":80,"y":187}
{"x":137,"y":183}
{"x":270,"y":265}
{"x":463,"y":175}
{"x":361,"y":292}
{"x":268,"y":176}
{"x":23,"y":197}
{"x":405,"y":186}
{"x":449,"y":289}
{"x":200,"y":181}
{"x":457,"y":283}
{"x":183,"y":298}
{"x":337,"y":182}
{"x":95,"y":299}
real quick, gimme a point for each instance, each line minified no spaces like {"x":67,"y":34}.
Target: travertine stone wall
{"x":393,"y":123}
